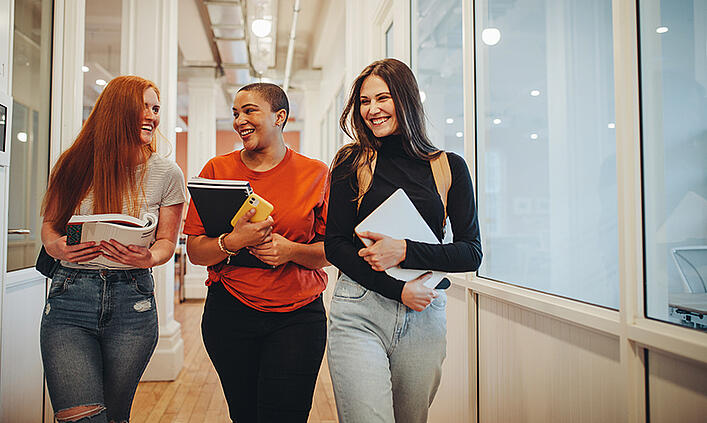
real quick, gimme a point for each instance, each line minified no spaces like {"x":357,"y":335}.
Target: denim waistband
{"x":129,"y":273}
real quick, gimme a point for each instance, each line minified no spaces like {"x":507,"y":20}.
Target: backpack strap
{"x":443,"y":179}
{"x":365,"y":176}
{"x":440,"y":171}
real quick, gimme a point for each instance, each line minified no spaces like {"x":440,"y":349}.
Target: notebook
{"x":398,"y":218}
{"x":216,"y":201}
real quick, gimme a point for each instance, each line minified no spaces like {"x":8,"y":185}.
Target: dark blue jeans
{"x":98,"y":332}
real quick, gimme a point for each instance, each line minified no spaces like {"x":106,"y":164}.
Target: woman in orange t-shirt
{"x":264,"y":326}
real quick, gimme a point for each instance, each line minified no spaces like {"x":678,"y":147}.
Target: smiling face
{"x":255,"y":122}
{"x":377,"y":107}
{"x":150,"y":116}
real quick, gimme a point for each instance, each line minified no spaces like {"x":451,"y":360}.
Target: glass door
{"x":29,"y":162}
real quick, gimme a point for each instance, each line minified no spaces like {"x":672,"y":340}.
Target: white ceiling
{"x":212,"y":34}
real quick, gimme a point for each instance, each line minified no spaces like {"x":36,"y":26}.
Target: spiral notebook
{"x":398,"y":218}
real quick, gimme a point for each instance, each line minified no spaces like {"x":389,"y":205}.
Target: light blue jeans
{"x":385,"y":359}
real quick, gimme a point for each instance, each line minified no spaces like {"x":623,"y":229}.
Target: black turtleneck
{"x":395,"y":169}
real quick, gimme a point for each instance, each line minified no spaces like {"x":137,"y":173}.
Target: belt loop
{"x":129,"y":274}
{"x":72,"y":275}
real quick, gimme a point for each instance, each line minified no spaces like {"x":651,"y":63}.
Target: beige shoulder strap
{"x":365,"y":176}
{"x":443,"y":178}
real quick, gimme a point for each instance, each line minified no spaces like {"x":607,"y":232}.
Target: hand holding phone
{"x":254,"y":201}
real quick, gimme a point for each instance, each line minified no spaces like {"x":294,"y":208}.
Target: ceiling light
{"x":22,"y":136}
{"x":497,"y":121}
{"x":423,"y":96}
{"x":84,"y":69}
{"x":533,"y":136}
{"x":261,"y":27}
{"x":535,"y":93}
{"x":661,"y":29}
{"x":460,"y":134}
{"x":450,"y":121}
{"x":178,"y":129}
{"x":491,"y":36}
{"x":611,"y":125}
{"x":101,"y":82}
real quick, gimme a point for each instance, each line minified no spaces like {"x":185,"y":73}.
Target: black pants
{"x":267,"y":362}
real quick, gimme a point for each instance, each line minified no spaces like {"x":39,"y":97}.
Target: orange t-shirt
{"x":296,"y":187}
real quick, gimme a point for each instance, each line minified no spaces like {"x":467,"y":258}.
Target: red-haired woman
{"x":99,"y":326}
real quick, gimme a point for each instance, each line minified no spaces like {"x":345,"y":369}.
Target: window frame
{"x":636,"y":332}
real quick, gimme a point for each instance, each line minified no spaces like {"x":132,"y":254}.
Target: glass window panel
{"x":547,"y":189}
{"x":437,"y":62}
{"x":101,"y":48}
{"x":29,"y":160}
{"x":341,"y":136}
{"x":673,"y":60}
{"x":389,"y":41}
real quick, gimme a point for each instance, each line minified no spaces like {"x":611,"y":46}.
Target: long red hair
{"x":104,"y":157}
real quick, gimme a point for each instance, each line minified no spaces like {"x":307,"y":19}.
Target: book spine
{"x":73,"y":233}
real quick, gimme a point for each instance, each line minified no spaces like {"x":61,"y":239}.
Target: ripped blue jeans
{"x":99,"y":329}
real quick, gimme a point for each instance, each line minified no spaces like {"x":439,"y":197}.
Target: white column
{"x":149,"y":50}
{"x":201,"y":146}
{"x":67,"y":82}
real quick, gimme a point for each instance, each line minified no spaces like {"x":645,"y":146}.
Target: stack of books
{"x":216,"y":202}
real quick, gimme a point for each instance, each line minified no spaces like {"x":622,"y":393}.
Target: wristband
{"x":222,"y":247}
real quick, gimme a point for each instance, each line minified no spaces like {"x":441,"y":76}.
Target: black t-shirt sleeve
{"x":464,"y":253}
{"x":340,"y":246}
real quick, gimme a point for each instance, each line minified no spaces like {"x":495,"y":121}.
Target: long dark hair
{"x":104,"y":157}
{"x":408,"y":110}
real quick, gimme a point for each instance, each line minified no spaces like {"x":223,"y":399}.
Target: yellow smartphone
{"x":254,"y":201}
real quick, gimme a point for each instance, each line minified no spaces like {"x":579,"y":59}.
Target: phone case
{"x":261,"y":206}
{"x":73,"y":234}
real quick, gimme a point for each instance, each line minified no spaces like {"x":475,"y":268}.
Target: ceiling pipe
{"x":291,"y":47}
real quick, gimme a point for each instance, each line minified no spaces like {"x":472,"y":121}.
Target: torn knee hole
{"x":79,"y":412}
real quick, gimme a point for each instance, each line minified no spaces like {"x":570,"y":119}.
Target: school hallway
{"x":582,"y":125}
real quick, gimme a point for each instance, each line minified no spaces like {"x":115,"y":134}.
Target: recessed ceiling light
{"x":661,"y":29}
{"x":22,"y":136}
{"x":101,"y":82}
{"x":460,"y":134}
{"x":261,"y":27}
{"x":497,"y":121}
{"x":423,"y":96}
{"x":84,"y":69}
{"x":178,"y":129}
{"x":533,"y":136}
{"x":535,"y":93}
{"x":611,"y":125}
{"x":450,"y":121}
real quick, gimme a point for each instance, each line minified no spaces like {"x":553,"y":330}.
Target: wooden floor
{"x":196,"y":395}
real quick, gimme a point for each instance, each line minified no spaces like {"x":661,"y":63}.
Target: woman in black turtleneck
{"x":387,"y":337}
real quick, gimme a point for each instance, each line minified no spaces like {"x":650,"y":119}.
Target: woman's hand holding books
{"x":132,"y":255}
{"x":77,"y":253}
